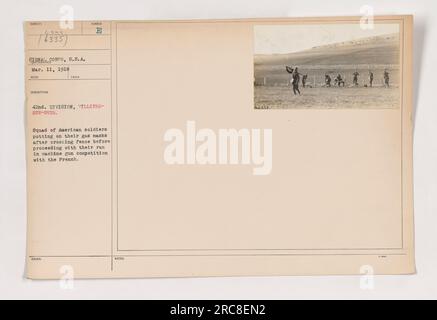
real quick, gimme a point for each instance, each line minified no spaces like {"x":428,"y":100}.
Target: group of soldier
{"x":296,"y":77}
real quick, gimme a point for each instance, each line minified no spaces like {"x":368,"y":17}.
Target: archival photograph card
{"x":256,"y":147}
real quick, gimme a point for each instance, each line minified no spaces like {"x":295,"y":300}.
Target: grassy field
{"x":282,"y":97}
{"x":275,"y":75}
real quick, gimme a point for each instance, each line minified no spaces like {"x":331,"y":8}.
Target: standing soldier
{"x":386,"y":79}
{"x":328,"y":80}
{"x":295,"y":81}
{"x":370,"y":79}
{"x":304,"y":80}
{"x":356,"y":74}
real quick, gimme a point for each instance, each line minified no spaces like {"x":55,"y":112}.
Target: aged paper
{"x":219,"y":148}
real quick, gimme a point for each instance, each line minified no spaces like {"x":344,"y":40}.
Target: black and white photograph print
{"x":304,"y":66}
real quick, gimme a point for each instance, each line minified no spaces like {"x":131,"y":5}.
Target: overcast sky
{"x":293,"y":38}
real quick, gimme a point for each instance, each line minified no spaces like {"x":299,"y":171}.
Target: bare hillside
{"x":380,"y":50}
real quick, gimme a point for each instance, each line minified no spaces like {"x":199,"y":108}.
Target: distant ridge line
{"x":390,"y":37}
